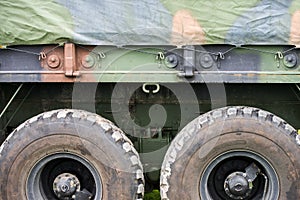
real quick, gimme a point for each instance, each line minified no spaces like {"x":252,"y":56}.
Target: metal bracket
{"x":252,"y":171}
{"x":188,"y":61}
{"x":70,"y":60}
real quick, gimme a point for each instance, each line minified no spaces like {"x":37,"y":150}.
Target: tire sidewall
{"x":41,"y":138}
{"x":236,"y":134}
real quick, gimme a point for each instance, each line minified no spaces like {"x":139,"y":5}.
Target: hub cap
{"x":64,"y":176}
{"x":237,"y":186}
{"x":239,"y":175}
{"x":65,"y":186}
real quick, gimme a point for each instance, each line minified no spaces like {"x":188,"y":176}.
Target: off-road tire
{"x":74,"y":132}
{"x":225,"y":130}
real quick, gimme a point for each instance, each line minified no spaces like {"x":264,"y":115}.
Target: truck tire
{"x":233,"y":153}
{"x":69,"y":154}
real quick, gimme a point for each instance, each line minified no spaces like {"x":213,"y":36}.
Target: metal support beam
{"x":11,"y":99}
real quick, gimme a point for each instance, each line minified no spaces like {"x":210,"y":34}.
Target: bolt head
{"x":88,"y":61}
{"x":290,"y":60}
{"x":53,"y":61}
{"x":206,"y":61}
{"x":171,"y":61}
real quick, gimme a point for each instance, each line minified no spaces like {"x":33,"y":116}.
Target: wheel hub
{"x":65,"y":186}
{"x":237,"y":186}
{"x":239,"y":175}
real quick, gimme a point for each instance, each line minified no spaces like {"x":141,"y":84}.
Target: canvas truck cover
{"x":155,"y":22}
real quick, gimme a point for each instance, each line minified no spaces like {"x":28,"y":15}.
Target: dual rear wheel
{"x":228,"y":153}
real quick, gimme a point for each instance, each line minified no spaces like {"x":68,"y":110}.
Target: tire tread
{"x":208,"y":118}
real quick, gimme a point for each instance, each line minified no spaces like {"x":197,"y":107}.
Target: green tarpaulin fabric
{"x":153,"y":22}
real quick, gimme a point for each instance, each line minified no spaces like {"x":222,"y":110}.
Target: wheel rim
{"x":239,"y":175}
{"x":63,"y":177}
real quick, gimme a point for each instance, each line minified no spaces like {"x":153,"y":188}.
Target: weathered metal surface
{"x":194,"y":63}
{"x":136,"y":22}
{"x":156,"y":41}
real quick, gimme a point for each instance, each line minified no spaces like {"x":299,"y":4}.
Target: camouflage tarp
{"x":136,"y":22}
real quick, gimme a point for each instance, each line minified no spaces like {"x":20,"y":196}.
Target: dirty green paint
{"x":122,"y":65}
{"x":140,"y":64}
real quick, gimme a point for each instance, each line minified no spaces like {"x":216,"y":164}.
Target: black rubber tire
{"x":224,"y":130}
{"x":73,"y":132}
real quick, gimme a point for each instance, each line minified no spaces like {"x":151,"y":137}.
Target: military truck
{"x":112,"y":99}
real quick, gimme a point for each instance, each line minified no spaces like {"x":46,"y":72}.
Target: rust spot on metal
{"x":68,"y":64}
{"x":251,"y":75}
{"x":53,"y":61}
{"x":70,"y":60}
{"x":238,"y":75}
